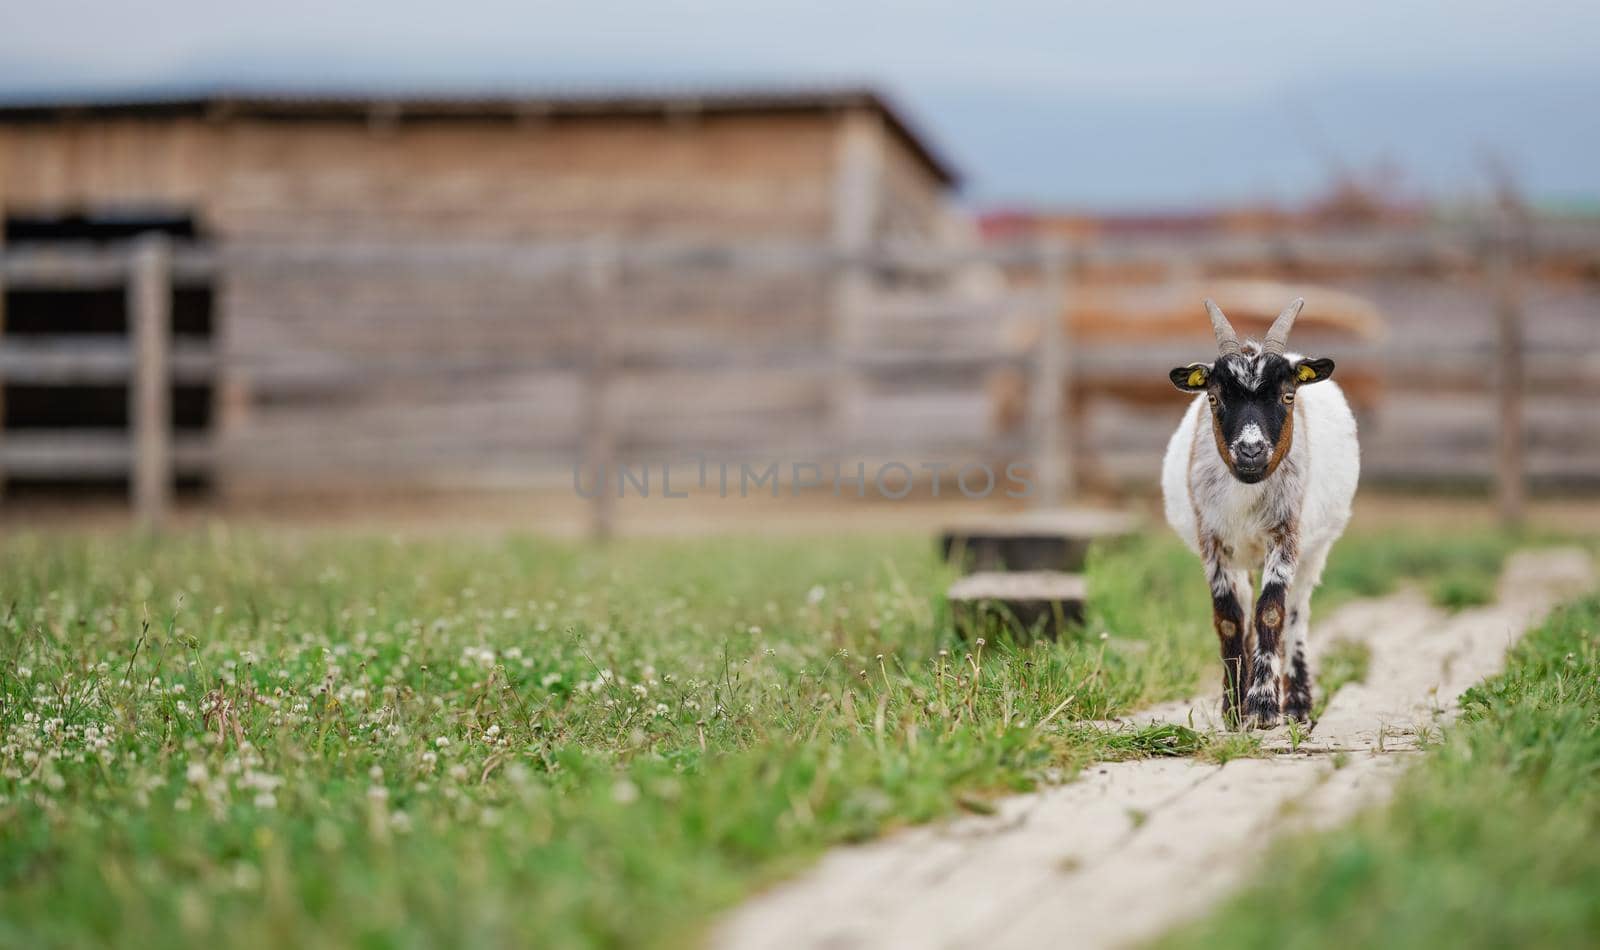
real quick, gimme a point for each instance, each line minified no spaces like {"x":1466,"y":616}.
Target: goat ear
{"x":1191,"y":378}
{"x":1311,"y":371}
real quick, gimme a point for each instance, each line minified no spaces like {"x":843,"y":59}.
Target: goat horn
{"x":1227,"y":339}
{"x":1278,"y":336}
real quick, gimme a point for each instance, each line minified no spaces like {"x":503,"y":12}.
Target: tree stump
{"x":1019,"y":604}
{"x":1036,"y":541}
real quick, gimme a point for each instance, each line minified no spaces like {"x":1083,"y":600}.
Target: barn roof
{"x":391,"y":106}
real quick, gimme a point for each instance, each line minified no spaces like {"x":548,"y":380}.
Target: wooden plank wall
{"x":717,"y":361}
{"x":376,"y":367}
{"x":437,"y":375}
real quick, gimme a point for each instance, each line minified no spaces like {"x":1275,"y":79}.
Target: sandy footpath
{"x":1076,"y":865}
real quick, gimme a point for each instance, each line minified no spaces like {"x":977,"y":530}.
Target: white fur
{"x":1316,"y":482}
{"x":1281,"y":527}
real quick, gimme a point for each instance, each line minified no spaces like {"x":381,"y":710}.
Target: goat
{"x":1268,"y":491}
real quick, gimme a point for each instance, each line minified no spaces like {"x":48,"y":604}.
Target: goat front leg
{"x":1263,"y":702}
{"x":1297,"y":671}
{"x":1227,"y":616}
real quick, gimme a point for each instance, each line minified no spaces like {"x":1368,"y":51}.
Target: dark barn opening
{"x":100,"y":227}
{"x":46,"y":406}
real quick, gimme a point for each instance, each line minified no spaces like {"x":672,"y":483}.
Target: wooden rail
{"x":27,"y":267}
{"x":76,"y":267}
{"x":95,"y":359}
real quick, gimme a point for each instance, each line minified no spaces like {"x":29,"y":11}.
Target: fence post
{"x":1051,"y":392}
{"x":600,"y":274}
{"x":1504,"y":249}
{"x":150,"y":408}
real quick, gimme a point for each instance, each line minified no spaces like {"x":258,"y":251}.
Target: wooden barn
{"x":354,"y":294}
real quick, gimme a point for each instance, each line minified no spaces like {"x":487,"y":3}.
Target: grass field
{"x":255,"y":741}
{"x":1489,"y":843}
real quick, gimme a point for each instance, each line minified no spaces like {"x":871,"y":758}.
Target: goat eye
{"x":1212,"y":398}
{"x":1288,"y":399}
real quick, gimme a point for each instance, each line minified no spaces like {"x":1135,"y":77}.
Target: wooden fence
{"x":903,"y":330}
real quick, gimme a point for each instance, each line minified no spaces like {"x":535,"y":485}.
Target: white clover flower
{"x":195,"y":773}
{"x":815,"y":595}
{"x":246,"y":877}
{"x":24,"y":672}
{"x":377,"y":793}
{"x":624,"y":792}
{"x":443,"y":742}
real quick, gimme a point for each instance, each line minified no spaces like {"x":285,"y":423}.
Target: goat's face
{"x":1252,"y":394}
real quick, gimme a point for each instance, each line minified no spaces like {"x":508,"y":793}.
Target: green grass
{"x":1457,"y":570}
{"x":1344,"y":662}
{"x":258,"y":741}
{"x":1489,"y":843}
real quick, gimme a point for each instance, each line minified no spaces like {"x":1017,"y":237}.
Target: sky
{"x":1071,"y":105}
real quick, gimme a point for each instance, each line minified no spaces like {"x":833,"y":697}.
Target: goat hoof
{"x":1297,"y":712}
{"x":1261,"y":712}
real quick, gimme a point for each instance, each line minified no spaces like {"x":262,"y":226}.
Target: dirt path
{"x":1077,"y":865}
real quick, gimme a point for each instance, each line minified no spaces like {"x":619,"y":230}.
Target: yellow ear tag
{"x":1197,"y":377}
{"x":1307,"y":374}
